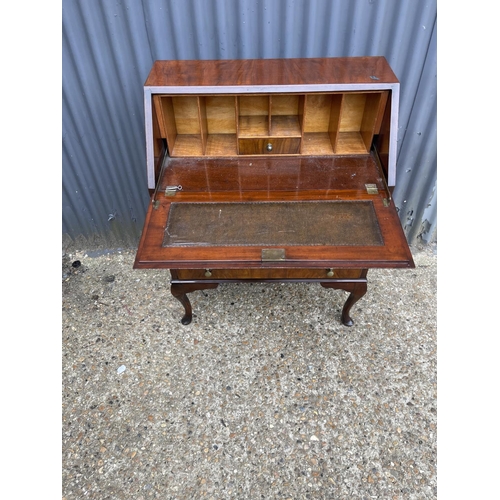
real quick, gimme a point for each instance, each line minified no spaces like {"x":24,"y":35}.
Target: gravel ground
{"x":265,"y":395}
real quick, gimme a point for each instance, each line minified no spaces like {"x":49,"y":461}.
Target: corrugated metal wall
{"x":110,"y":45}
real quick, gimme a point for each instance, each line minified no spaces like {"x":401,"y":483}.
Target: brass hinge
{"x":171,"y":190}
{"x":371,"y":188}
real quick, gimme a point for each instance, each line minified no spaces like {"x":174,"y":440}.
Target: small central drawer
{"x":267,"y":274}
{"x":269,"y":145}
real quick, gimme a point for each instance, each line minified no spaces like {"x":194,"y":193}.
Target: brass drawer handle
{"x":269,"y":146}
{"x":330,"y":273}
{"x":208,"y":273}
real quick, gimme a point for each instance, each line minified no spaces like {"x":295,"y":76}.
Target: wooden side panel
{"x":370,"y":116}
{"x":284,"y":104}
{"x":186,"y":114}
{"x":302,"y":102}
{"x":165,"y":112}
{"x":221,"y":117}
{"x":317,"y":113}
{"x":381,"y":109}
{"x":253,"y":105}
{"x":158,"y":140}
{"x":353,"y":106}
{"x":335,"y":114}
{"x":384,"y":138}
{"x":166,"y":119}
{"x":202,"y":110}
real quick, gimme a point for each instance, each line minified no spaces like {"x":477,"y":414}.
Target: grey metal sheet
{"x":108,"y":50}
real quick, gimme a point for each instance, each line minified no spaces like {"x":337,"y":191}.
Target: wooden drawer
{"x":269,"y":145}
{"x":266,"y":274}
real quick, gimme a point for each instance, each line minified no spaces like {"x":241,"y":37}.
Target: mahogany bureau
{"x":272,"y":170}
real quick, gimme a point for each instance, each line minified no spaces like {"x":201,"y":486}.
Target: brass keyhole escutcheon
{"x":330,"y":273}
{"x":269,"y":146}
{"x":208,"y":273}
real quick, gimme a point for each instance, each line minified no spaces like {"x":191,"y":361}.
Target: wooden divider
{"x":305,"y":124}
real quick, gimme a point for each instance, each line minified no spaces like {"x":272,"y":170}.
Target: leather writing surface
{"x":305,"y":223}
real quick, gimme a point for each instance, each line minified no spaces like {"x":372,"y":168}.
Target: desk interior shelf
{"x":294,"y":124}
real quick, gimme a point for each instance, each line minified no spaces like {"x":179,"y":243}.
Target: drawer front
{"x":266,"y":274}
{"x":269,"y":145}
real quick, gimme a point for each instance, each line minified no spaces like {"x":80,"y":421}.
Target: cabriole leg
{"x":179,"y":291}
{"x":356,"y":289}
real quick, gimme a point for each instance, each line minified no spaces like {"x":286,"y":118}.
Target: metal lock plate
{"x":273,"y":254}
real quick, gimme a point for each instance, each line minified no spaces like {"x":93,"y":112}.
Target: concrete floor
{"x":265,"y":395}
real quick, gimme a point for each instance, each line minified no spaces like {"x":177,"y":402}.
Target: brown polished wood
{"x":254,"y":133}
{"x":267,"y":72}
{"x":393,"y":253}
{"x":269,"y":145}
{"x":292,"y":274}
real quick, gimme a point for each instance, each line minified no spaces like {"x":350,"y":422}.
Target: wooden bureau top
{"x":370,"y":70}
